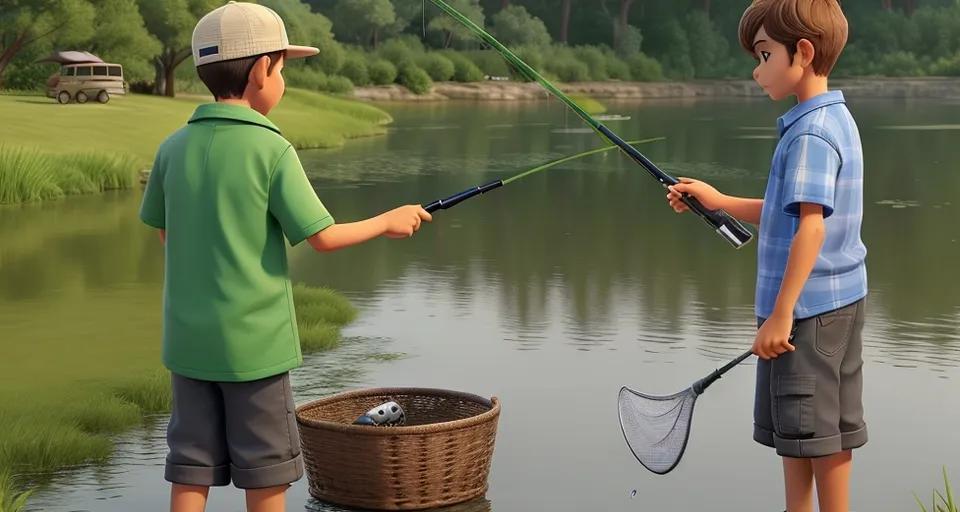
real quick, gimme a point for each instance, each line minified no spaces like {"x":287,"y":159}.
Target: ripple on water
{"x":931,"y":342}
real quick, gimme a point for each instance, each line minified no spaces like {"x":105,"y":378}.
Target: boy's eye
{"x":765,"y":56}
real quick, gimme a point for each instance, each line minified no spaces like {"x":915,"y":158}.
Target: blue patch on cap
{"x":208,"y":51}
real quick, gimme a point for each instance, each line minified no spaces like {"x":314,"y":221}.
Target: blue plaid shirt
{"x":818,"y":160}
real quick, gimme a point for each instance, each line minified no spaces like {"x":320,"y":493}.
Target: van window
{"x":99,"y":71}
{"x":65,"y":71}
{"x":116,"y":71}
{"x":83,"y":71}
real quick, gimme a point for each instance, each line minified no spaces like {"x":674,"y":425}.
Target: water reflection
{"x":596,"y":236}
{"x":552,"y":292}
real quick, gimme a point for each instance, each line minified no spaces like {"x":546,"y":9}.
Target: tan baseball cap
{"x":242,"y":29}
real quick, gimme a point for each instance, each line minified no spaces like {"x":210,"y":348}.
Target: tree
{"x":565,"y":20}
{"x":453,"y":29}
{"x":171,"y":22}
{"x":121,"y":37}
{"x":367,"y":17}
{"x":25,"y":22}
{"x":515,"y":26}
{"x":309,"y":28}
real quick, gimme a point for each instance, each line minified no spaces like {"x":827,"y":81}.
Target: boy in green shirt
{"x":224,"y":192}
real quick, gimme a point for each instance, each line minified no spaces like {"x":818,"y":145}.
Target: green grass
{"x":29,"y":174}
{"x":70,"y":422}
{"x":11,"y":500}
{"x":50,"y":150}
{"x":945,"y":504}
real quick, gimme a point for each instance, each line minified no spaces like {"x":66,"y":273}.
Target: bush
{"x":337,"y":84}
{"x":644,"y":68}
{"x":398,"y":51}
{"x":331,"y":56}
{"x":440,"y":68}
{"x":490,"y":62}
{"x":355,"y":69}
{"x":595,"y":60}
{"x":305,"y":77}
{"x":414,"y":79}
{"x":381,"y":72}
{"x":901,"y":64}
{"x":570,"y":71}
{"x":464,"y":70}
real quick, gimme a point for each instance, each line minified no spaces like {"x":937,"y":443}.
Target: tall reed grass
{"x":28,"y":174}
{"x":946,"y":503}
{"x":38,"y":439}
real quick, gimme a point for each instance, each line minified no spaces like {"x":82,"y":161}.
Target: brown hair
{"x":228,"y":79}
{"x":788,"y":21}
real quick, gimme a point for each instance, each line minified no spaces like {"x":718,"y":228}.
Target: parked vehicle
{"x":83,"y":77}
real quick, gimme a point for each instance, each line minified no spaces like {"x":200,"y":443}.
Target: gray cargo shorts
{"x":809,"y":402}
{"x":240,"y":431}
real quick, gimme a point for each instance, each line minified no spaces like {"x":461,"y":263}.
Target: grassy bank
{"x":50,"y":150}
{"x":60,"y":419}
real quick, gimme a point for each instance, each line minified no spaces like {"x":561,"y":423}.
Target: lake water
{"x":550,"y":293}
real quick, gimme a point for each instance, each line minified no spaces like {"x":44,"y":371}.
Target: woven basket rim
{"x":490,"y":415}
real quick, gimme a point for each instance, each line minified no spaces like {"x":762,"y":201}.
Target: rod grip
{"x":443,"y":204}
{"x":728,"y":227}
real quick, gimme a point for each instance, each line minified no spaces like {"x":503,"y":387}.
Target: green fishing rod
{"x":728,"y":227}
{"x":443,"y":204}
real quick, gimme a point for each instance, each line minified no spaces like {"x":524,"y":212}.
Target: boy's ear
{"x":805,"y":52}
{"x":258,"y":73}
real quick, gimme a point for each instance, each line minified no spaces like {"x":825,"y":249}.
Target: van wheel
{"x":63,"y":97}
{"x":103,"y":97}
{"x":81,"y":97}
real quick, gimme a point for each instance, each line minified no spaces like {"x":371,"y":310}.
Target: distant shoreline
{"x":874,"y":88}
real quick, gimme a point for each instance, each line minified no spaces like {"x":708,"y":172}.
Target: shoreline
{"x":867,"y":88}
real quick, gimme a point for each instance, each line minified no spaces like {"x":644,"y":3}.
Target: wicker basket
{"x":440,"y":456}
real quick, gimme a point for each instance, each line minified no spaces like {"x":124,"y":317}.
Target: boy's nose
{"x":756,"y":74}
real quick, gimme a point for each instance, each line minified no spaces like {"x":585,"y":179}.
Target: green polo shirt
{"x":228,"y":188}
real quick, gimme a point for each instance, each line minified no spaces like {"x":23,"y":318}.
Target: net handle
{"x":701,"y":385}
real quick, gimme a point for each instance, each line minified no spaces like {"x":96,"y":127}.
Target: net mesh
{"x":656,"y":428}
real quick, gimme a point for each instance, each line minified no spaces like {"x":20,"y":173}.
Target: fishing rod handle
{"x":726,"y":226}
{"x":729,"y":228}
{"x":443,"y":204}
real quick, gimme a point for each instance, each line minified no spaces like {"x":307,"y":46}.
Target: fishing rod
{"x":729,"y":228}
{"x":449,"y":202}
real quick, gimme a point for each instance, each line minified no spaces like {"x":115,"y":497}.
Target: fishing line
{"x":725,"y":225}
{"x":443,"y":204}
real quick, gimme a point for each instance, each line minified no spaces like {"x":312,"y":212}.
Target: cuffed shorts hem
{"x":200,"y":476}
{"x":813,"y":447}
{"x":284,"y":473}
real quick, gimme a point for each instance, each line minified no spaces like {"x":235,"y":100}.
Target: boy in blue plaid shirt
{"x":811,"y":276}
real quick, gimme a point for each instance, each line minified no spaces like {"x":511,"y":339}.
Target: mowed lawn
{"x":136,"y":124}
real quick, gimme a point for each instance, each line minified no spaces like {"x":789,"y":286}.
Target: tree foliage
{"x":567,"y":39}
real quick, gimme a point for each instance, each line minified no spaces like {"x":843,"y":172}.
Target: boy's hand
{"x":774,"y":336}
{"x":402,"y":222}
{"x":707,"y":195}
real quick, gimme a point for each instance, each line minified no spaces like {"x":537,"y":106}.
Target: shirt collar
{"x":232,"y":113}
{"x":801,"y":109}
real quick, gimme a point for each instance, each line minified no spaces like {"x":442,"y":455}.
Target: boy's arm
{"x":163,"y":236}
{"x":303,"y":216}
{"x":743,"y":208}
{"x":810,"y":180}
{"x":804,"y":251}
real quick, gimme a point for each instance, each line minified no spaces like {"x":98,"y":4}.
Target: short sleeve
{"x":153,"y":208}
{"x":294,"y":203}
{"x":810,"y":174}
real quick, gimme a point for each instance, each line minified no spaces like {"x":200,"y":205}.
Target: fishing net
{"x":656,"y":428}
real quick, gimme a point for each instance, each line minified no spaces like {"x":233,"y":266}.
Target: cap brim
{"x":299,"y":52}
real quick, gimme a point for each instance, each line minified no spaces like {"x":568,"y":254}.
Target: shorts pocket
{"x":793,"y":403}
{"x":833,"y":330}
